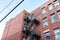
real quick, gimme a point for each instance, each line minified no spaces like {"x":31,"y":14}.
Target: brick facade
{"x":13,"y":29}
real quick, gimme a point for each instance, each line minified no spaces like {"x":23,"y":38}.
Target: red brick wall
{"x":51,"y":25}
{"x":13,"y":29}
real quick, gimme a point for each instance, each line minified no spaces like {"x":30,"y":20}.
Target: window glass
{"x":53,"y":18}
{"x":50,"y":6}
{"x":57,"y":34}
{"x":43,"y":10}
{"x":58,"y":14}
{"x":47,"y":36}
{"x":56,"y":3}
{"x":45,"y":22}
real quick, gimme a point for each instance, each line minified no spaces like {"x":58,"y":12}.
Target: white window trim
{"x":46,"y":31}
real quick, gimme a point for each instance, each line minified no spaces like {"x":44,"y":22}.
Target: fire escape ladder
{"x":28,"y":29}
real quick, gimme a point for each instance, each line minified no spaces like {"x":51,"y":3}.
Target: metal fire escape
{"x":28,"y":29}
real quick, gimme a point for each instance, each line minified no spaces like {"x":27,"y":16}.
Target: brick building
{"x":13,"y":29}
{"x":49,"y":16}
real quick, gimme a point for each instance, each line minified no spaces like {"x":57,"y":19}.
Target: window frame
{"x":58,"y":12}
{"x":56,"y":3}
{"x":45,"y":22}
{"x":53,"y":17}
{"x":43,"y":10}
{"x":48,"y":32}
{"x":51,"y":6}
{"x":56,"y":33}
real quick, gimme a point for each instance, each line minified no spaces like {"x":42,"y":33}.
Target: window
{"x":57,"y":34}
{"x":47,"y":36}
{"x":56,"y":3}
{"x":50,"y":6}
{"x":43,"y":10}
{"x":45,"y":22}
{"x":58,"y":12}
{"x":53,"y":18}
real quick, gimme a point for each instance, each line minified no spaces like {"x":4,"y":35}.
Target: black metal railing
{"x":27,"y":28}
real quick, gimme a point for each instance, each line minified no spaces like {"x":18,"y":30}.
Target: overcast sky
{"x":28,"y":5}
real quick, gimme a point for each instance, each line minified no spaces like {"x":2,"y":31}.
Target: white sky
{"x":28,"y":5}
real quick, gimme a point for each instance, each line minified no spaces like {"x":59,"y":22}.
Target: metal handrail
{"x":30,"y":26}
